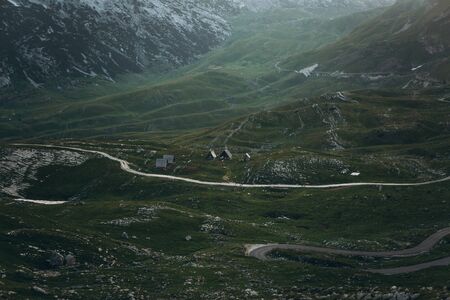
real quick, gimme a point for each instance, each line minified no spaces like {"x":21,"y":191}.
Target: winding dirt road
{"x":414,"y":268}
{"x":125,"y":166}
{"x":261,"y":251}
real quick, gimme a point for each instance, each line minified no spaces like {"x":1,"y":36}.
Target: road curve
{"x":125,"y":166}
{"x":261,"y":251}
{"x":443,"y":262}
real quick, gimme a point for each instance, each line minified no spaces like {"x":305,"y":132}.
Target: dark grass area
{"x":159,"y":260}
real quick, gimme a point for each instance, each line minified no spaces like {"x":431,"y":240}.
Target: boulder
{"x":70,"y":260}
{"x":56,"y":260}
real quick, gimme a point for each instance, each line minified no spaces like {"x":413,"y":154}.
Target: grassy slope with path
{"x":359,"y":218}
{"x":125,"y":166}
{"x":386,"y":135}
{"x":232,"y":81}
{"x":364,"y":218}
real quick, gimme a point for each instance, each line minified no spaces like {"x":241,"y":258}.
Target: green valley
{"x":306,"y":156}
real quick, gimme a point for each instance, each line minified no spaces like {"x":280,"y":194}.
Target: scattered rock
{"x":188,"y":238}
{"x":131,"y":296}
{"x":70,"y":260}
{"x":251,"y":293}
{"x":402,"y":296}
{"x":40,"y":290}
{"x":125,"y":235}
{"x":48,"y":274}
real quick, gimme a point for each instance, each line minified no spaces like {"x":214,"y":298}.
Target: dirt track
{"x":261,"y":251}
{"x":125,"y":166}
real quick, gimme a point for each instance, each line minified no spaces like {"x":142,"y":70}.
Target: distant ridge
{"x":411,"y":36}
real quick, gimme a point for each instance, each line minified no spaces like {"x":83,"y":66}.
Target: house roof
{"x":226,"y":153}
{"x":211,"y":155}
{"x":161,"y":162}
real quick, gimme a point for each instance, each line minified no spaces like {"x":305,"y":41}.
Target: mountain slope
{"x":229,"y":81}
{"x":412,"y":36}
{"x":59,"y":42}
{"x":322,"y":7}
{"x":47,"y":40}
{"x":261,"y":40}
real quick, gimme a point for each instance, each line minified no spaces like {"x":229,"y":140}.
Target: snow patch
{"x":308,"y":70}
{"x":4,"y":81}
{"x":33,"y":83}
{"x":91,"y":74}
{"x":13,"y":3}
{"x":341,"y":96}
{"x":407,"y":85}
{"x":404,"y":28}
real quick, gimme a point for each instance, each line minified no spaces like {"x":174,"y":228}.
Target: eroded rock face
{"x":44,"y":40}
{"x":18,"y":166}
{"x":53,"y":42}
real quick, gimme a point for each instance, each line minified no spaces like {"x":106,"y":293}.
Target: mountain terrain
{"x":335,"y":116}
{"x":271,"y":57}
{"x":323,"y":7}
{"x":411,"y":37}
{"x":229,"y":81}
{"x":48,"y":40}
{"x":120,"y":234}
{"x":60,"y":42}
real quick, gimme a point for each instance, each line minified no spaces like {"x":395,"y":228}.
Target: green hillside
{"x":233,"y":80}
{"x":352,"y":112}
{"x":146,"y":237}
{"x":412,"y":37}
{"x":384,"y":135}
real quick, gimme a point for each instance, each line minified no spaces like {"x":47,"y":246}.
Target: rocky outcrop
{"x":46,"y":40}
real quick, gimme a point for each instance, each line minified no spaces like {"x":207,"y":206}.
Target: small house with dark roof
{"x":211,"y":155}
{"x":161,"y":163}
{"x":226,"y":155}
{"x":170,"y":159}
